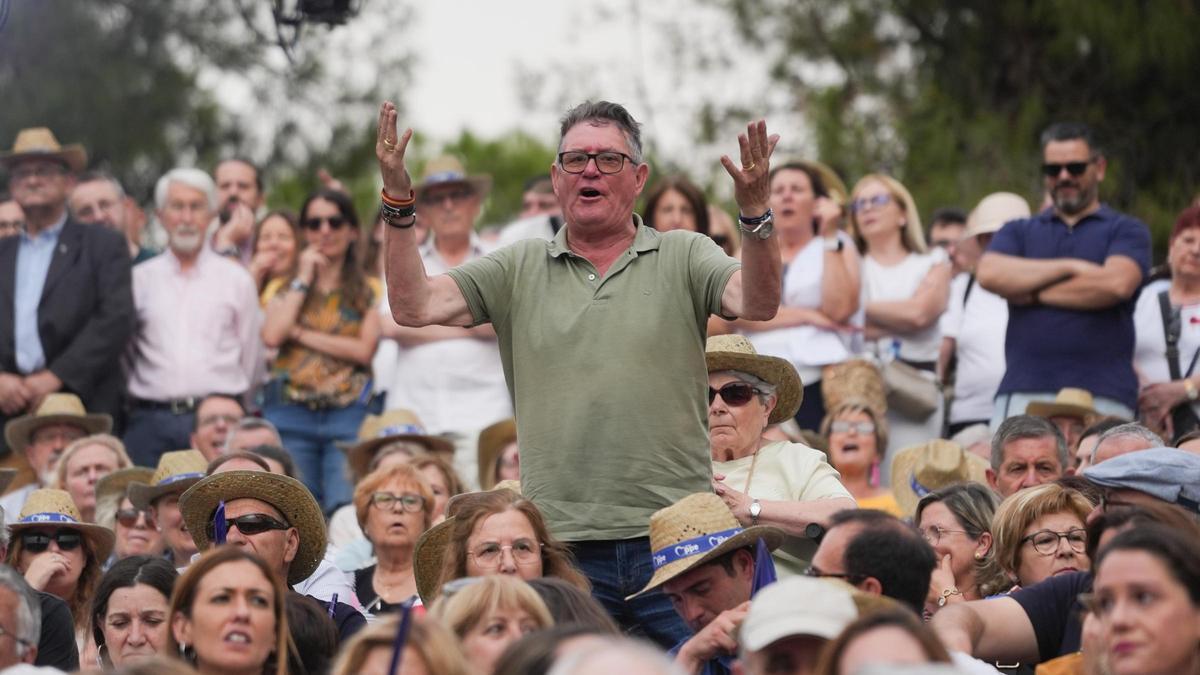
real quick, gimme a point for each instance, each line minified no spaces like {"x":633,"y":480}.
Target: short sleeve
{"x":823,"y":482}
{"x":1009,"y":240}
{"x":1049,"y":606}
{"x":1132,"y":239}
{"x":486,"y":283}
{"x":710,"y":270}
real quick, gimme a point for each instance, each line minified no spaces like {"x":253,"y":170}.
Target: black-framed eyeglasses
{"x":335,"y":222}
{"x":38,"y":542}
{"x":816,"y":573}
{"x":735,"y":394}
{"x":609,"y":161}
{"x":249,"y":525}
{"x":1053,"y":169}
{"x":40,"y":170}
{"x":408,"y":501}
{"x":1106,"y":501}
{"x":1046,"y":541}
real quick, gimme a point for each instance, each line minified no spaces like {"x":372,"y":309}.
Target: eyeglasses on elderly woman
{"x":409,"y":501}
{"x":1046,"y":541}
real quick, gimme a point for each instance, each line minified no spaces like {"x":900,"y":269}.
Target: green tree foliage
{"x":950,"y":97}
{"x":510,"y":160}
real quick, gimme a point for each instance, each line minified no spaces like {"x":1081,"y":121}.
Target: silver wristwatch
{"x":755,"y":510}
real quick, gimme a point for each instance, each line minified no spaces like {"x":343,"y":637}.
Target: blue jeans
{"x":150,"y":433}
{"x":310,"y":436}
{"x":619,"y":568}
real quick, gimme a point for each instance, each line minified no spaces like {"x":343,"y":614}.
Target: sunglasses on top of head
{"x":37,"y":542}
{"x":734,"y":394}
{"x":335,"y":222}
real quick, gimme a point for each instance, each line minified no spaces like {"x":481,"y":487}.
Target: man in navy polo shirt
{"x":1071,"y":275}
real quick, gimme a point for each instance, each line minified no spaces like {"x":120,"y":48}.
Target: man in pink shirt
{"x":198,"y":322}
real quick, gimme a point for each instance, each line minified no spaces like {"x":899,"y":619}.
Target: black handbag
{"x":1183,"y":418}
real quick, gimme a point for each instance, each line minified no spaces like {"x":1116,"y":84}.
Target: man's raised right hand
{"x":390,"y":151}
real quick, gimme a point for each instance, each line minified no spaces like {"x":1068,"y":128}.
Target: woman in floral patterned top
{"x":322,"y":322}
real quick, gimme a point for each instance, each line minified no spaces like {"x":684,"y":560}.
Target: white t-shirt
{"x":978,"y":330}
{"x":899,"y":282}
{"x":806,"y":347}
{"x":1150,"y":348}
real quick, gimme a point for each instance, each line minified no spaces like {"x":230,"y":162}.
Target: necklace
{"x":750,"y":474}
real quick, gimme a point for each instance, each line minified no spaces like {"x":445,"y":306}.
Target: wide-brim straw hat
{"x":492,"y":442}
{"x":430,"y":552}
{"x":1069,"y":402}
{"x":695,"y":530}
{"x":447,"y":170}
{"x":177,"y":471}
{"x":116,"y":484}
{"x":54,"y":509}
{"x":734,"y":352}
{"x":920,"y":469}
{"x":854,"y":380}
{"x":391,"y":426}
{"x":40,"y":143}
{"x":288,"y":495}
{"x":993,"y":211}
{"x":58,"y":408}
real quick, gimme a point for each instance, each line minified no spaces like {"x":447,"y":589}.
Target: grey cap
{"x":1170,"y":474}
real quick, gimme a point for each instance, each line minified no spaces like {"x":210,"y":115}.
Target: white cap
{"x":797,"y":606}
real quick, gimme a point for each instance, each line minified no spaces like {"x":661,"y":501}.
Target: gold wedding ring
{"x":747,"y":167}
{"x":390,"y":145}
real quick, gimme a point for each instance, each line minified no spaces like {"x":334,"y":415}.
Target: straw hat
{"x":492,"y":442}
{"x":40,"y":143}
{"x":695,"y":530}
{"x":734,"y":352}
{"x":391,"y":426}
{"x":1069,"y":402}
{"x":289,"y":495}
{"x":447,"y":170}
{"x":47,"y":508}
{"x":56,"y":408}
{"x":116,"y":484}
{"x":854,"y":380}
{"x":993,"y":211}
{"x":177,"y":471}
{"x":921,"y":469}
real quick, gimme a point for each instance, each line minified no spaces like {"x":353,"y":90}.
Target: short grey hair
{"x":249,"y":423}
{"x":1129,"y":430}
{"x":600,"y":113}
{"x":765,"y":388}
{"x":193,"y":178}
{"x":28,"y":624}
{"x":1019,"y":427}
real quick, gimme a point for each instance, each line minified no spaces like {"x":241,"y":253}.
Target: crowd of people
{"x":242,"y":440}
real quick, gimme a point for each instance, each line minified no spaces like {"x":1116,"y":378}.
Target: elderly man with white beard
{"x":198,"y":321}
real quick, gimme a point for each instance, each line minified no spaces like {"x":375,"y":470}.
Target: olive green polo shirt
{"x":607,"y":373}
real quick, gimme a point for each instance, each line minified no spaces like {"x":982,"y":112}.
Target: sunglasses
{"x":129,"y":518}
{"x":37,"y":542}
{"x":314,"y":224}
{"x":1073,"y":168}
{"x":734,"y":394}
{"x":249,"y":525}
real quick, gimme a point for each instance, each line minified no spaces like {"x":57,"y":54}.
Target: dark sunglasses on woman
{"x":37,"y":542}
{"x":314,"y":224}
{"x":249,"y":525}
{"x":734,"y":394}
{"x":129,"y":518}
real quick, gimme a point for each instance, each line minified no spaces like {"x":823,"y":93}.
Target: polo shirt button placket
{"x":591,"y":277}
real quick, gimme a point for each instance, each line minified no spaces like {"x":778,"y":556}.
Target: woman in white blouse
{"x":905,"y":290}
{"x":820,"y":282}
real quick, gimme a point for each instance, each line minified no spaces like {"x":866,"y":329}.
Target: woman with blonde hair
{"x":228,"y":615}
{"x":430,"y":646}
{"x":905,"y":291}
{"x":490,"y":614}
{"x":83,"y":463}
{"x":1040,"y":532}
{"x":956,"y":521}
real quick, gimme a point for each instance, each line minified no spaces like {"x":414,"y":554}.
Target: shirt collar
{"x":474,"y":243}
{"x":201,"y":259}
{"x":644,"y":239}
{"x":51,"y":232}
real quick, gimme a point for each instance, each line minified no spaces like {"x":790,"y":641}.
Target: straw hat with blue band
{"x":177,"y":471}
{"x":696,"y":530}
{"x":391,"y":426}
{"x":920,"y":469}
{"x":447,"y":170}
{"x":53,"y":510}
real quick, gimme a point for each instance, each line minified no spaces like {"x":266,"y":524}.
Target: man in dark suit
{"x":66,"y":306}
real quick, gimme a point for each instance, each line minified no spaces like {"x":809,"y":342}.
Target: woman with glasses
{"x":490,"y":615}
{"x":1146,"y":599}
{"x":394,"y":506}
{"x":857,"y":436}
{"x":821,"y":278}
{"x":129,"y":611}
{"x":324,"y":325}
{"x":59,"y":553}
{"x":956,"y":521}
{"x":82,"y":464}
{"x":763,"y":482}
{"x":905,"y":291}
{"x":501,"y":532}
{"x":136,"y":529}
{"x":1040,"y":532}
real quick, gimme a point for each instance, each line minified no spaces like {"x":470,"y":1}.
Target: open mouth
{"x":589,"y":193}
{"x":850,"y":447}
{"x":238,"y":637}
